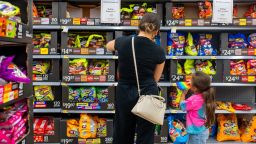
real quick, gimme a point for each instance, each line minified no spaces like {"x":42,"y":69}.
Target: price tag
{"x":242,"y":22}
{"x":173,"y":29}
{"x":64,"y":29}
{"x":188,"y":22}
{"x":227,"y":52}
{"x":84,"y":51}
{"x":64,"y":111}
{"x":67,"y":141}
{"x":115,"y":57}
{"x":66,"y":51}
{"x":174,"y":111}
{"x":251,"y":78}
{"x":164,"y":139}
{"x":68,"y":78}
{"x":44,"y":51}
{"x":232,"y":78}
{"x":174,"y":57}
{"x":76,"y":21}
{"x":56,"y":104}
{"x":176,"y":78}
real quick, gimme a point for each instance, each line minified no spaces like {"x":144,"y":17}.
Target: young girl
{"x":200,"y":108}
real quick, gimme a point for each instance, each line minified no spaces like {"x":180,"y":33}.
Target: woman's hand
{"x":111,"y":45}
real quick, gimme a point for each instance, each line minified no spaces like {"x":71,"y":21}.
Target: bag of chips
{"x":249,"y":134}
{"x":189,"y":67}
{"x":225,"y":106}
{"x":87,"y":127}
{"x":43,"y":93}
{"x":102,"y":127}
{"x":227,"y":128}
{"x":238,"y":67}
{"x":190,"y":48}
{"x":251,"y":67}
{"x":88,"y":94}
{"x":72,"y":128}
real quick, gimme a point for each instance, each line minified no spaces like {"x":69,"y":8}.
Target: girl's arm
{"x":111,"y":45}
{"x":158,"y":71}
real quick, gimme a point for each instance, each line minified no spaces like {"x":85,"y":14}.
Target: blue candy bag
{"x":175,"y":44}
{"x":205,"y":47}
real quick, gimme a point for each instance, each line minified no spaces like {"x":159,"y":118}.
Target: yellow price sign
{"x":65,"y":56}
{"x":64,"y":111}
{"x":213,"y":57}
{"x":188,"y":22}
{"x":44,"y":51}
{"x":242,"y":22}
{"x":251,"y":78}
{"x":76,"y":21}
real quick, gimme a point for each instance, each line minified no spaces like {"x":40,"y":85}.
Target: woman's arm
{"x":158,"y":71}
{"x":111,"y":45}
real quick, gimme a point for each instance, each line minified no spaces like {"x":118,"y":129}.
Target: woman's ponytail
{"x":210,"y":106}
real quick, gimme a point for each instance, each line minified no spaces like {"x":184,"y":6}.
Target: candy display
{"x":10,"y":72}
{"x":13,"y":123}
{"x":78,"y":66}
{"x":87,"y":127}
{"x":242,"y":107}
{"x":175,"y":44}
{"x":41,"y":40}
{"x":251,"y":12}
{"x":43,"y":93}
{"x":249,"y":135}
{"x":205,"y":9}
{"x":136,"y":11}
{"x":85,"y":40}
{"x":237,"y":41}
{"x":251,"y":67}
{"x":43,"y":126}
{"x":41,"y":67}
{"x":225,"y":106}
{"x":178,"y":12}
{"x":238,"y":67}
{"x":252,"y":40}
{"x":175,"y":96}
{"x":8,"y":10}
{"x":227,"y":128}
{"x":190,"y":48}
{"x":44,"y":10}
{"x":205,"y":66}
{"x":177,"y":130}
{"x":205,"y":47}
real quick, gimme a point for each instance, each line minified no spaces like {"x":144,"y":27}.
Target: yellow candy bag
{"x":87,"y":127}
{"x":225,"y":106}
{"x":72,"y":128}
{"x":249,"y":134}
{"x":227,"y":128}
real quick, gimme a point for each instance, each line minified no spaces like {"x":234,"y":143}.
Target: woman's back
{"x":148,"y":55}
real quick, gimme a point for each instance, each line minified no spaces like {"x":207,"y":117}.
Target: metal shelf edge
{"x":46,"y":83}
{"x":46,"y":56}
{"x":51,"y":110}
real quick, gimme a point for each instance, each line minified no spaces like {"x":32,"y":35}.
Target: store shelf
{"x":51,"y":110}
{"x":46,"y":56}
{"x":14,"y":41}
{"x":211,"y":57}
{"x":47,"y":83}
{"x":13,"y":101}
{"x":91,"y":84}
{"x":89,"y":111}
{"x":46,"y":27}
{"x":192,"y":1}
{"x":91,"y":56}
{"x":167,"y":84}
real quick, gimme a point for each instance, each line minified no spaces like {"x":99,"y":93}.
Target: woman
{"x":150,"y":62}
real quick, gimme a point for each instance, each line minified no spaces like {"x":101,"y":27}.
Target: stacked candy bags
{"x":42,"y":126}
{"x":41,"y":66}
{"x":241,"y":67}
{"x":13,"y":123}
{"x":81,"y":40}
{"x":43,"y":93}
{"x":191,"y":66}
{"x":239,"y":41}
{"x":136,"y":11}
{"x":87,"y":127}
{"x":41,"y":40}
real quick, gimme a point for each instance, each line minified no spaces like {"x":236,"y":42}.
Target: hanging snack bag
{"x":177,"y":131}
{"x":41,"y":67}
{"x":88,"y":94}
{"x":227,"y":128}
{"x":252,"y":40}
{"x":43,"y":93}
{"x":72,"y":128}
{"x":175,"y":44}
{"x":190,"y":48}
{"x":205,"y":47}
{"x":74,"y":94}
{"x":176,"y":98}
{"x":189,"y":67}
{"x":238,"y":67}
{"x":251,"y":67}
{"x":87,"y":127}
{"x":237,"y":41}
{"x":102,"y":127}
{"x":249,"y":134}
{"x":78,"y":66}
{"x":102,"y":94}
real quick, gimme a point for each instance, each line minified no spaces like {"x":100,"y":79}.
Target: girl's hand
{"x":184,"y":93}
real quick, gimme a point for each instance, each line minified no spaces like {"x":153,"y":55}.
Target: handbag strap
{"x":135,"y":66}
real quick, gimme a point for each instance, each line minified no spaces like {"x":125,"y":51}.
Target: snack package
{"x":102,"y":127}
{"x":43,"y":93}
{"x":74,"y":94}
{"x":41,"y":40}
{"x":237,"y":41}
{"x":8,"y":10}
{"x":243,"y":107}
{"x":126,"y":12}
{"x":98,"y":67}
{"x":179,"y":69}
{"x":205,"y":9}
{"x":78,"y":66}
{"x":88,"y":94}
{"x":205,"y":66}
{"x":227,"y":128}
{"x":189,"y":67}
{"x":238,"y":67}
{"x":140,"y":10}
{"x":175,"y":96}
{"x":251,"y":67}
{"x":178,"y":12}
{"x":35,"y":12}
{"x":252,"y":40}
{"x":249,"y":134}
{"x":205,"y":47}
{"x":213,"y":130}
{"x":235,"y":11}
{"x":177,"y":131}
{"x":225,"y":106}
{"x":44,"y":11}
{"x":190,"y":48}
{"x":10,"y":72}
{"x":41,"y":67}
{"x":102,"y":94}
{"x":72,"y":128}
{"x":87,"y":127}
{"x":175,"y":44}
{"x":40,"y":125}
{"x":50,"y":127}
{"x":251,"y":12}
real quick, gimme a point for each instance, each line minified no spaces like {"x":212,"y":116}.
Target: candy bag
{"x":205,"y":66}
{"x":237,"y":67}
{"x":205,"y":9}
{"x":250,"y":132}
{"x":72,"y":128}
{"x":237,"y":41}
{"x":227,"y":128}
{"x":102,"y":94}
{"x":213,"y":130}
{"x":41,"y":67}
{"x":243,"y":107}
{"x":179,"y":69}
{"x":177,"y":131}
{"x":8,"y":10}
{"x":225,"y":106}
{"x":175,"y":44}
{"x":251,"y":12}
{"x":74,"y":94}
{"x":78,"y":66}
{"x":205,"y":47}
{"x":43,"y":93}
{"x":88,"y":94}
{"x":102,"y":127}
{"x":251,"y":67}
{"x":190,"y":48}
{"x":87,"y":127}
{"x":178,"y":12}
{"x":189,"y":67}
{"x":98,"y":68}
{"x":175,"y":96}
{"x":252,"y":40}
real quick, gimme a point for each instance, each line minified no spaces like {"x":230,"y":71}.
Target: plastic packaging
{"x":43,"y":93}
{"x":78,"y":66}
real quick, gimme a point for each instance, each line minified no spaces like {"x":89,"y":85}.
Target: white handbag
{"x":148,"y":107}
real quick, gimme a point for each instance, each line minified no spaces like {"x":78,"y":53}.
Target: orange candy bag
{"x":72,"y":128}
{"x":87,"y":127}
{"x":249,"y":134}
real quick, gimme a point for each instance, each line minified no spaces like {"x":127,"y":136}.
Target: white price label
{"x":110,"y":11}
{"x":222,"y":11}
